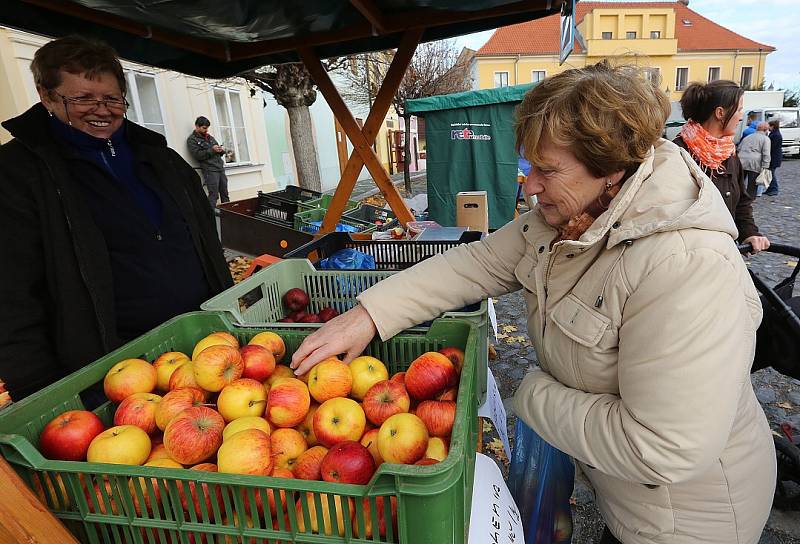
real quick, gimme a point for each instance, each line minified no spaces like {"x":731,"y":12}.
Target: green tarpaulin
{"x":470,"y":147}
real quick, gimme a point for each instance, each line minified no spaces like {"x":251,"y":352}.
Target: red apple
{"x":327,"y":313}
{"x":68,"y":435}
{"x":183,"y":377}
{"x":311,"y":318}
{"x":139,"y":409}
{"x":337,"y":420}
{"x":175,"y":402}
{"x":449,"y":394}
{"x":259,"y":362}
{"x":217,"y":366}
{"x":288,"y":402}
{"x":429,"y":375}
{"x":399,"y":377}
{"x":298,"y":317}
{"x":385,"y":399}
{"x":438,"y":416}
{"x":348,"y":463}
{"x":308,"y":465}
{"x":272,"y":342}
{"x":380,"y":509}
{"x":286,"y":320}
{"x":194,"y":435}
{"x":403,"y":438}
{"x":370,"y":441}
{"x":456,"y":356}
{"x":278,"y":472}
{"x":128,"y":377}
{"x":214,"y":339}
{"x":295,"y":299}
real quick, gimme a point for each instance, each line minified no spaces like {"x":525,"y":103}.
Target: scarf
{"x":579,"y":224}
{"x":709,"y":151}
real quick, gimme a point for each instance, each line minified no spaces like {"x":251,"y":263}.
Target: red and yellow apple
{"x":366,"y":371}
{"x":399,"y":377}
{"x":327,"y":526}
{"x":165,"y":365}
{"x":429,"y":375}
{"x":288,"y":402}
{"x":385,"y":399}
{"x":183,"y":377}
{"x":139,"y":409}
{"x":272,"y":342}
{"x":449,"y":394}
{"x":128,"y":377}
{"x":370,"y":441}
{"x":348,"y":462}
{"x":337,"y":420}
{"x":217,"y":366}
{"x":214,"y":339}
{"x":259,"y":362}
{"x":194,"y":435}
{"x":68,"y":435}
{"x":403,"y":438}
{"x":248,"y":422}
{"x":438,"y":416}
{"x":456,"y":356}
{"x":308,"y":465}
{"x":437,"y":448}
{"x":122,"y":445}
{"x":287,"y":445}
{"x":175,"y":402}
{"x":157,"y":452}
{"x":380,"y":510}
{"x":193,"y":498}
{"x":280,"y":373}
{"x":241,"y":398}
{"x":329,"y":379}
{"x":246,"y":452}
{"x":306,"y":427}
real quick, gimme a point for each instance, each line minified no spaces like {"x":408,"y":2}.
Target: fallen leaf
{"x":786,"y":405}
{"x":500,"y":336}
{"x":487,"y":426}
{"x":508,"y":328}
{"x":492,"y":352}
{"x":791,"y":264}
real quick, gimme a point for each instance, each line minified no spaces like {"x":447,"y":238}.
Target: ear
{"x":719,"y":113}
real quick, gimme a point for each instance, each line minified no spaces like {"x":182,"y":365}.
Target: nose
{"x":533,"y":184}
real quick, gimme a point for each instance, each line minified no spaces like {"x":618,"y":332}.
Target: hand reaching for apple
{"x":349,"y":333}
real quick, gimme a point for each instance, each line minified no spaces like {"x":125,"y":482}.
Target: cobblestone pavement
{"x":779,"y":219}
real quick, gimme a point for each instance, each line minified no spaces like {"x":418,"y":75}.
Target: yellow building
{"x":669,"y":40}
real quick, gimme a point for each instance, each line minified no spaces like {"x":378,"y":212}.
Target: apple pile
{"x":296,"y":301}
{"x":236,"y":410}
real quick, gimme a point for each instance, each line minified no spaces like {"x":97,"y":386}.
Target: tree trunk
{"x":305,"y":154}
{"x":407,"y":155}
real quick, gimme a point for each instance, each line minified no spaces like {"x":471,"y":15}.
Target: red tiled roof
{"x":541,"y":36}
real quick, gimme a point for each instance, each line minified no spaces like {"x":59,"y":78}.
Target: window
{"x":747,"y":77}
{"x":655,"y":34}
{"x":713,"y":73}
{"x":500,"y":79}
{"x":145,"y":107}
{"x":787,"y":118}
{"x":686,"y":22}
{"x":681,"y":78}
{"x":230,"y":126}
{"x":607,"y":35}
{"x":653,"y":75}
{"x":538,"y":75}
{"x":630,"y":35}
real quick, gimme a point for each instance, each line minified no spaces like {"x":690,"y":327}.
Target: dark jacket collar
{"x":32,"y":129}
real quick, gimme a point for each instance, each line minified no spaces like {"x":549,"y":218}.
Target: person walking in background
{"x":752,"y":125}
{"x":208,"y":153}
{"x":775,"y":155}
{"x":754,"y":154}
{"x":713,"y":111}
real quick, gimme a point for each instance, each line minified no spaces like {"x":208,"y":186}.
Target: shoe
{"x":771,"y":194}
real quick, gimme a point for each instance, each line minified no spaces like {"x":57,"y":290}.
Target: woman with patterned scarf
{"x":713,"y":111}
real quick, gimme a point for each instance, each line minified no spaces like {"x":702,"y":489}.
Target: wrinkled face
{"x":730,"y":127}
{"x":201,"y":130}
{"x":564,"y":186}
{"x":100,"y":121}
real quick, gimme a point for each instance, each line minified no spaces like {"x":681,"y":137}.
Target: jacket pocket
{"x":579,"y":322}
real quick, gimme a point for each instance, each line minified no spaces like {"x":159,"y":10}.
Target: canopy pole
{"x":362,"y":140}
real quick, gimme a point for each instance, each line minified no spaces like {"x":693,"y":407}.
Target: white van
{"x":790,"y":127}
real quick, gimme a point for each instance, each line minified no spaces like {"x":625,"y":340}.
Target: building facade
{"x":671,"y":43}
{"x":164,"y":101}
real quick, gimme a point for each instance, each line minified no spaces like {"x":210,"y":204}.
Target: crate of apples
{"x":236,"y":409}
{"x":296,"y":301}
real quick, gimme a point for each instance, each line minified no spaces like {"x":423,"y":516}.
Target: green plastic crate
{"x":256,"y":301}
{"x":324,"y":203}
{"x":307,"y":221}
{"x":433,"y":502}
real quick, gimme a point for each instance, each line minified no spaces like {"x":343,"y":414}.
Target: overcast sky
{"x":772,"y":22}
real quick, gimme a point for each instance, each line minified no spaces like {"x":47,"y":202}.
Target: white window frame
{"x":741,"y":77}
{"x":228,"y":91}
{"x":627,"y":37}
{"x":658,"y":32}
{"x":496,"y":86}
{"x":543,"y":72}
{"x":610,"y":37}
{"x":719,"y":73}
{"x":133,"y":97}
{"x":678,"y":87}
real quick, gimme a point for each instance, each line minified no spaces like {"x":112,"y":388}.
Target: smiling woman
{"x":110,"y":215}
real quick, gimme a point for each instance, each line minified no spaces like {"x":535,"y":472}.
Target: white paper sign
{"x":492,"y":317}
{"x":495,"y":517}
{"x":493,"y":408}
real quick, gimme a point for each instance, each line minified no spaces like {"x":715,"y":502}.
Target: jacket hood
{"x":32,"y":129}
{"x":668,"y":192}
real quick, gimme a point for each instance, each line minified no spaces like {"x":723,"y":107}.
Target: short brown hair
{"x":774,"y":124}
{"x":699,"y":100}
{"x":609,"y":116}
{"x":75,"y":55}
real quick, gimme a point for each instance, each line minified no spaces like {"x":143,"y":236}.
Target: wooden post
{"x":363,"y":139}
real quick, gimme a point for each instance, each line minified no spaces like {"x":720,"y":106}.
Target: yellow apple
{"x":287,"y":445}
{"x":128,"y":377}
{"x":437,"y":448}
{"x":403,"y":438}
{"x":272,"y":342}
{"x":214,"y":339}
{"x":246,"y":452}
{"x":241,"y":398}
{"x":329,"y":379}
{"x":121,"y":445}
{"x":243,"y":423}
{"x":338,"y":420}
{"x":165,"y":365}
{"x":366,"y":371}
{"x":217,"y":366}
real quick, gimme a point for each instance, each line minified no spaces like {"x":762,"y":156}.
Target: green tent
{"x":470,"y":147}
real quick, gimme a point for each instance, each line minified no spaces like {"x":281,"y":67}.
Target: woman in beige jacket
{"x":640,"y":308}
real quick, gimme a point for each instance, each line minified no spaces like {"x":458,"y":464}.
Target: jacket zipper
{"x":600,"y":298}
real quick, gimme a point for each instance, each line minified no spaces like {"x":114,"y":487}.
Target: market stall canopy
{"x":221,"y":38}
{"x":470,"y":145}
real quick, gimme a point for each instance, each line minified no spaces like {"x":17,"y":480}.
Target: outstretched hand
{"x":346,"y":334}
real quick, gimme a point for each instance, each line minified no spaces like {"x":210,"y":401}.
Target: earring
{"x":608,"y":184}
{"x":50,"y":113}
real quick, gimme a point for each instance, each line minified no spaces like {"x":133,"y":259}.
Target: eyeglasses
{"x":86,"y":104}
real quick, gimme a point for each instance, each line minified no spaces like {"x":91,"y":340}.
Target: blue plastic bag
{"x":348,"y":259}
{"x":541,"y":479}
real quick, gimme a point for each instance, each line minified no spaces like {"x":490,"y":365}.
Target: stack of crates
{"x":103,"y":504}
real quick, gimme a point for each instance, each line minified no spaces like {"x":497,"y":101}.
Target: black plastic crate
{"x":293,"y":193}
{"x":273,"y":208}
{"x":372,"y":214}
{"x":388,"y":254}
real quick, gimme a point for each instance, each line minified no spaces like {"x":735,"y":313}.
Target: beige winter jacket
{"x":645,"y":330}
